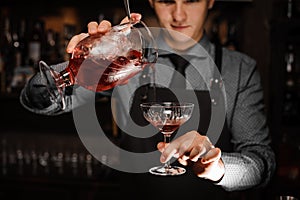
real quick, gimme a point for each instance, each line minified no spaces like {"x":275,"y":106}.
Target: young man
{"x":240,"y":157}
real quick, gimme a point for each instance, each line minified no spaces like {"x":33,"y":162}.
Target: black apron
{"x":148,"y":186}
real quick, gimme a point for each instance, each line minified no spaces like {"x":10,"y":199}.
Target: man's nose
{"x":179,"y":13}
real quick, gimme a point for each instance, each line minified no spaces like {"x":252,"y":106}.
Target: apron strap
{"x":218,"y":56}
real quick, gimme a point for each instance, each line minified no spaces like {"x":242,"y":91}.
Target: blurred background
{"x":41,"y":157}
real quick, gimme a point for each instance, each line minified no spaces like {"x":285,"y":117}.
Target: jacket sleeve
{"x":252,"y":163}
{"x":35,"y":97}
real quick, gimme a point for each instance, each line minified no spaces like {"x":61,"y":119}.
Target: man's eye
{"x":191,"y":1}
{"x":166,"y":1}
{"x":173,"y":1}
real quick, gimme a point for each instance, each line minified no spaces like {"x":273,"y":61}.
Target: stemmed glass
{"x":101,"y":62}
{"x":167,"y":117}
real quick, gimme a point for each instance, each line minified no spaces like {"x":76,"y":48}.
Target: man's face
{"x":185,"y":16}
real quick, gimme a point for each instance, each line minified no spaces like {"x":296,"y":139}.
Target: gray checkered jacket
{"x":252,"y":162}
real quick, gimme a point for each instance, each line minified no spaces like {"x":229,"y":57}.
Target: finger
{"x":171,"y":150}
{"x":92,"y":27}
{"x":185,"y":147}
{"x":104,"y":26}
{"x":178,"y":147}
{"x":193,"y":151}
{"x":213,"y":155}
{"x":161,"y":146}
{"x":183,"y":161}
{"x":196,"y":153}
{"x":185,"y":157}
{"x":95,"y":28}
{"x":200,"y":151}
{"x":134,"y":17}
{"x":167,"y":154}
{"x":74,"y":41}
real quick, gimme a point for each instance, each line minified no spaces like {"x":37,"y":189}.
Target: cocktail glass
{"x":167,"y":117}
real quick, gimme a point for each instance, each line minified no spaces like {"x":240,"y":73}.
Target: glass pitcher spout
{"x":54,"y":84}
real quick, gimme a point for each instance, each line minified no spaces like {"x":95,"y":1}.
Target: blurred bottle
{"x":36,"y":43}
{"x":17,"y":51}
{"x":68,"y":33}
{"x":291,"y":99}
{"x":293,"y":9}
{"x":6,"y":53}
{"x":22,"y":70}
{"x":290,"y":9}
{"x":2,"y":73}
{"x":23,"y":41}
{"x":52,"y":51}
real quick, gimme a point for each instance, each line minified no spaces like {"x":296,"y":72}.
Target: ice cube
{"x":111,"y":46}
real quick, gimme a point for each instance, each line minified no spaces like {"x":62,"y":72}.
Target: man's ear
{"x":151,"y":3}
{"x":210,"y":3}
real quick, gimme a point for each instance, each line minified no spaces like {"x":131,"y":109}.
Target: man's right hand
{"x":95,"y":28}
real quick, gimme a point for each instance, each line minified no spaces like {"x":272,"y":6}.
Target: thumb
{"x":74,"y":41}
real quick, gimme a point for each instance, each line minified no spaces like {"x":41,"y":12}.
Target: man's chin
{"x":179,"y":36}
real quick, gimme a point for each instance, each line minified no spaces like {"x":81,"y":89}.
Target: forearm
{"x":247,"y":170}
{"x":36,"y":98}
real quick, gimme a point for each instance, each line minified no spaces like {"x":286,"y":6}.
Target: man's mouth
{"x":179,"y":27}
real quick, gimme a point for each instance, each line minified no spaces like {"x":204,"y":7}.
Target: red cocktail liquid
{"x":168,"y":128}
{"x":103,"y":61}
{"x":98,"y":74}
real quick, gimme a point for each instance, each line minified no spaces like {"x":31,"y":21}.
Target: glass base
{"x":167,"y":171}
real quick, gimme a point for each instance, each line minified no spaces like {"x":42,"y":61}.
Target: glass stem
{"x":167,"y":138}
